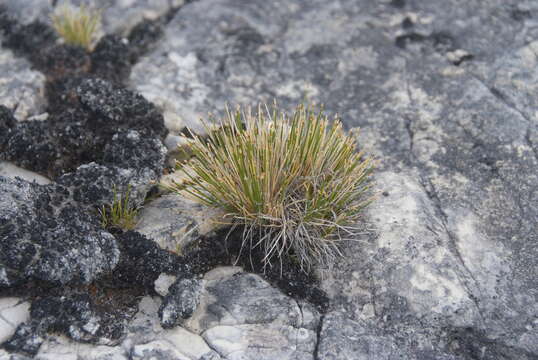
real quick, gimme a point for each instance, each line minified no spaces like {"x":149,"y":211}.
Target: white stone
{"x":13,"y":312}
{"x":226,"y":339}
{"x":173,"y":221}
{"x":10,"y":170}
{"x":176,"y":344}
{"x":163,"y":282}
{"x":62,"y":348}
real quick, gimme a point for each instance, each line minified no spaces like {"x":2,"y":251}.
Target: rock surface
{"x":445,"y":95}
{"x":10,"y":170}
{"x":117,"y":16}
{"x":447,"y":106}
{"x":181,"y":301}
{"x":242,"y":317}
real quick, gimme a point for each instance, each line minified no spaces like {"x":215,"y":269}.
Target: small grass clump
{"x":120,"y":213}
{"x":296,"y":183}
{"x":77,"y":26}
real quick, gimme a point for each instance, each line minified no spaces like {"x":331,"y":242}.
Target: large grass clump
{"x":296,"y":183}
{"x":77,"y":25}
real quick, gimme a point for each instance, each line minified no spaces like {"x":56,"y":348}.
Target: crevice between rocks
{"x":408,"y":122}
{"x":499,"y":95}
{"x":318,"y":337}
{"x":529,"y":142}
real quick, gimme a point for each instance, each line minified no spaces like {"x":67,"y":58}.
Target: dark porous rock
{"x":132,"y":149}
{"x":28,"y":40}
{"x":121,"y":106}
{"x":111,"y":60}
{"x":7,"y":121}
{"x":143,"y":37}
{"x":62,"y":60}
{"x":108,"y":139}
{"x":71,"y":315}
{"x":142,"y":261}
{"x":7,"y":22}
{"x":27,"y":339}
{"x":44,"y":242}
{"x":132,"y":163}
{"x":181,"y":302}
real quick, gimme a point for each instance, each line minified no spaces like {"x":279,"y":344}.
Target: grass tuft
{"x":77,"y":26}
{"x":296,"y":183}
{"x":120,"y":214}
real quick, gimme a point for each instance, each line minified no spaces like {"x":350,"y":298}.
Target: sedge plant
{"x":120,"y":213}
{"x":295,"y":183}
{"x":77,"y":26}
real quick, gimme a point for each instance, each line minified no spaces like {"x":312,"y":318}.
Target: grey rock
{"x":163,"y":282}
{"x":27,"y":11}
{"x":10,"y":170}
{"x":60,"y":347}
{"x":241,"y":316}
{"x":121,"y":16}
{"x":345,"y":339}
{"x":45,"y":241}
{"x":146,"y":338}
{"x":117,"y":16}
{"x":181,"y":301}
{"x":173,"y":221}
{"x":449,"y":109}
{"x":23,"y":89}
